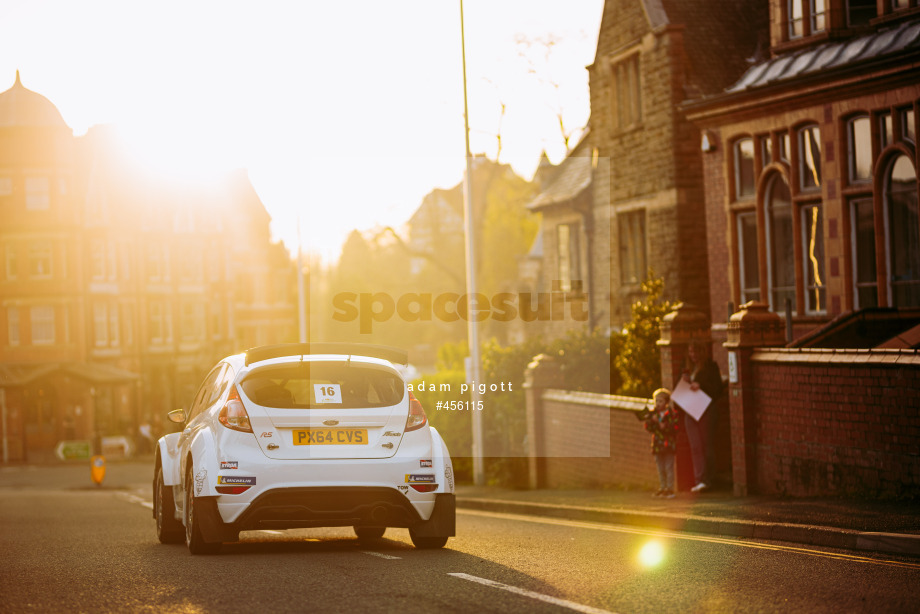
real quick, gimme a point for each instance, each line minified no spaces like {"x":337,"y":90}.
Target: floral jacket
{"x":663,"y":428}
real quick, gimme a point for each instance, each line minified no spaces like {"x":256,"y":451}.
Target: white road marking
{"x":270,"y":531}
{"x":578,"y":607}
{"x":136,"y":499}
{"x":740,"y":542}
{"x":381,"y":555}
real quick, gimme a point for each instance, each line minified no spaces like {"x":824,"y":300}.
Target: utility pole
{"x":473,"y":373}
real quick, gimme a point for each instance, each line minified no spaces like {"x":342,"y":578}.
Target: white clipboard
{"x":694,"y":402}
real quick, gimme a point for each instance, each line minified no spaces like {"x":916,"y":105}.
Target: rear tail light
{"x":233,"y":415}
{"x":417,"y":418}
{"x":424,"y":487}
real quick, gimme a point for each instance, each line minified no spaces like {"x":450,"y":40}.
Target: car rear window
{"x":324,"y":385}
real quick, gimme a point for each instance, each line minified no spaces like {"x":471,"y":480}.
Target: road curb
{"x":830,"y":537}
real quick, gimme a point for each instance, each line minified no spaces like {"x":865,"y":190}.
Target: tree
{"x":639,"y":358}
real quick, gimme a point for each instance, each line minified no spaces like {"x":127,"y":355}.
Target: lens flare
{"x":651,"y":554}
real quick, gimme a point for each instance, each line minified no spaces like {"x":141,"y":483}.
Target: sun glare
{"x":183,"y":154}
{"x":652,"y":554}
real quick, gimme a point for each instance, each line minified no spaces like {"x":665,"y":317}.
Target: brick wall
{"x":843,"y":422}
{"x":593,"y":440}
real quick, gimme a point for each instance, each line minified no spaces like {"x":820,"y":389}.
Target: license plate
{"x":330,"y":437}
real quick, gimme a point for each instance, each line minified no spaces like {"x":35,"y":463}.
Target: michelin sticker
{"x":416,"y":479}
{"x":236,"y":480}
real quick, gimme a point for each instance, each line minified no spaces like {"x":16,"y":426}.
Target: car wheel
{"x":369,"y":533}
{"x":427,"y":543}
{"x":193,"y":538}
{"x":169,"y":530}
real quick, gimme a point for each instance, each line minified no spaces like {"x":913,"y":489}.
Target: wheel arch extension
{"x":167,"y":457}
{"x":202,"y":457}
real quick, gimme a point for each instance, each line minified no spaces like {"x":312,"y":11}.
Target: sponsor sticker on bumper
{"x":419,"y":479}
{"x":425,"y":463}
{"x":229,"y":465}
{"x":236,"y":480}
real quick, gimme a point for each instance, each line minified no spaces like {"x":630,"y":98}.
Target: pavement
{"x":889,"y":527}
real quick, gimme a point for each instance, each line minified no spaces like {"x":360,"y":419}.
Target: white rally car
{"x":303,"y":435}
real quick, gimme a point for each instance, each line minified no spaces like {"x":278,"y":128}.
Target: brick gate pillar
{"x":680,"y":328}
{"x":752,"y":327}
{"x":542,"y":373}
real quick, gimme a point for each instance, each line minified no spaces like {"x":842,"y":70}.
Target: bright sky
{"x":345,"y":113}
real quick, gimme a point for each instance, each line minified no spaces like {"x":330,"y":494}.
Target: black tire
{"x":169,"y":529}
{"x":369,"y":533}
{"x":427,"y":543}
{"x":193,"y":538}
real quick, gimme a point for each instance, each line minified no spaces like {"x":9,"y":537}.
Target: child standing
{"x":662,"y":424}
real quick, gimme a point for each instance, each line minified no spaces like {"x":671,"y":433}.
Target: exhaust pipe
{"x":378,"y":515}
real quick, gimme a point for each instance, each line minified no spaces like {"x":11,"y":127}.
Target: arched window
{"x":780,"y":243}
{"x":903,"y":233}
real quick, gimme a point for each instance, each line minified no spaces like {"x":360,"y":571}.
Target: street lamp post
{"x":472,"y":324}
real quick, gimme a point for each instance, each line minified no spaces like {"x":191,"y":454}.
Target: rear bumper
{"x":291,"y":508}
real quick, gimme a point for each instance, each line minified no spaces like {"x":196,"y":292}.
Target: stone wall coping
{"x":594,"y":399}
{"x":840,"y":356}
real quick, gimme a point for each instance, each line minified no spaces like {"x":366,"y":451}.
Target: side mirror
{"x":177,"y":416}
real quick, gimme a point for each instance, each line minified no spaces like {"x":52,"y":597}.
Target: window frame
{"x":626,"y":96}
{"x":37,"y":193}
{"x":42,"y":320}
{"x":159,"y":312}
{"x":745,"y":287}
{"x":633,"y":254}
{"x":852,"y":151}
{"x":856,"y":253}
{"x":570,"y":254}
{"x":737,"y":158}
{"x":772,"y":288}
{"x":41,"y":251}
{"x":889,"y":251}
{"x":13,"y":326}
{"x":819,"y":287}
{"x":866,"y":6}
{"x":802,"y":168}
{"x":11,"y":261}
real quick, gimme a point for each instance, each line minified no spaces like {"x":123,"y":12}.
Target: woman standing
{"x":702,"y":373}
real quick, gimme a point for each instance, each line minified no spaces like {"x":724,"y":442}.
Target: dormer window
{"x":805,"y":17}
{"x":861,"y":12}
{"x":796,"y":19}
{"x":817,"y":16}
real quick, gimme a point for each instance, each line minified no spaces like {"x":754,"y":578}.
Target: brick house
{"x":118,"y":289}
{"x":811,"y":171}
{"x":653,"y":55}
{"x":565,"y":241}
{"x":810,"y":165}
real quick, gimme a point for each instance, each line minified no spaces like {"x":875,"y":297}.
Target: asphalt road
{"x":68,"y":546}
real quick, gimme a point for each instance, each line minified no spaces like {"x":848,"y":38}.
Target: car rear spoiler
{"x":385,"y":352}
